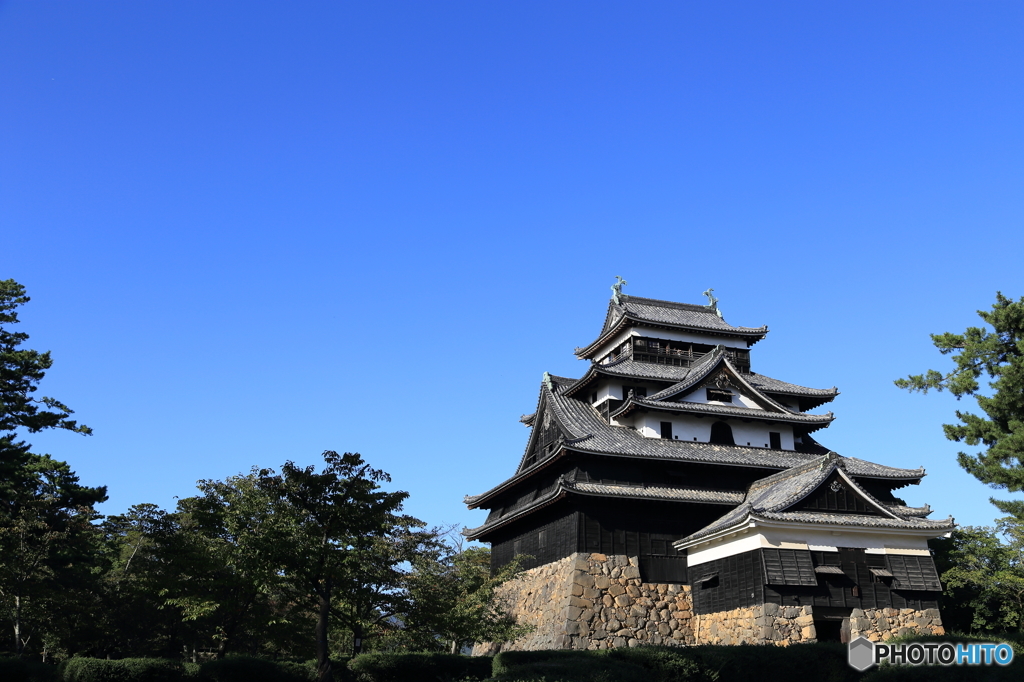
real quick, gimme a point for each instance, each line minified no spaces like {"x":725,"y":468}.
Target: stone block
{"x":615,"y":590}
{"x":857,"y":613}
{"x":771,"y":609}
{"x":572,"y":612}
{"x":607,"y":600}
{"x":664,"y":630}
{"x":598,"y":557}
{"x":623,"y":600}
{"x":804,"y":621}
{"x":619,"y":642}
{"x":808,"y":632}
{"x":576,"y":590}
{"x":631,"y":572}
{"x":602,"y":582}
{"x":580,"y":603}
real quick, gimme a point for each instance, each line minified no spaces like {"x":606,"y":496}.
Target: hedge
{"x":123,"y":670}
{"x":20,"y":670}
{"x":820,"y":662}
{"x":248,"y":669}
{"x":394,"y":667}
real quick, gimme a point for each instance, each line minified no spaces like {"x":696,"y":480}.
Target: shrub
{"x":565,"y":665}
{"x":123,"y":670}
{"x":20,"y":670}
{"x":249,"y":669}
{"x":395,"y":667}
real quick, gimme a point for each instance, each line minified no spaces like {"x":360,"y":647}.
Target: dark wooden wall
{"x":740,"y":582}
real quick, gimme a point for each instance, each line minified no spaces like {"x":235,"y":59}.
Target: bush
{"x":820,"y":662}
{"x":394,"y":667}
{"x":248,"y":669}
{"x":123,"y":670}
{"x":20,"y":670}
{"x":566,"y":666}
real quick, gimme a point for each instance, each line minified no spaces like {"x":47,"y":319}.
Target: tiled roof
{"x":769,"y":385}
{"x":567,"y":484}
{"x":726,"y":411}
{"x":632,"y":369}
{"x":586,"y":432}
{"x":901,"y":510}
{"x":670,"y":314}
{"x":770,"y":498}
{"x":661,"y":492}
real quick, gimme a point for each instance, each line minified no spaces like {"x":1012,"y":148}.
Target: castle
{"x":671,"y":495}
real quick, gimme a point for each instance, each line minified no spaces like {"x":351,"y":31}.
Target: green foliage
{"x":45,"y":514}
{"x":454,"y":599}
{"x":565,"y":665}
{"x":248,"y":669}
{"x":999,"y":355}
{"x":982,"y":570}
{"x":400,"y":667}
{"x":345,"y":543}
{"x":22,"y":670}
{"x":820,"y":662}
{"x":123,"y":670}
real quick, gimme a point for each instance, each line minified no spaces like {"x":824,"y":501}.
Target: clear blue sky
{"x":254,"y":231}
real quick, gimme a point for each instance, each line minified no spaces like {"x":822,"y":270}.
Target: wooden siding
{"x":738,"y":583}
{"x":839,"y":590}
{"x":834,"y":495}
{"x":553,"y":539}
{"x":739,"y":576}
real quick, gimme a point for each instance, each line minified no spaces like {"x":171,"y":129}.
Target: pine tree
{"x":998,"y":354}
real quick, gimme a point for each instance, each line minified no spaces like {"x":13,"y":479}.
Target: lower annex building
{"x":671,"y":495}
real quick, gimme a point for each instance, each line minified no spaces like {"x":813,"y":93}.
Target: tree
{"x":982,"y":570}
{"x":999,"y":355}
{"x":45,"y":514}
{"x":455,"y":600}
{"x":344,"y":545}
{"x":21,"y":370}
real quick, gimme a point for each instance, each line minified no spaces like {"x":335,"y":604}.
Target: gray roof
{"x":771,"y":497}
{"x":632,"y":369}
{"x":726,"y":411}
{"x":669,"y":314}
{"x":568,"y":484}
{"x":586,"y":431}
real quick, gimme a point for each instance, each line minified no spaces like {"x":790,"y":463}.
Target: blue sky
{"x":254,"y":231}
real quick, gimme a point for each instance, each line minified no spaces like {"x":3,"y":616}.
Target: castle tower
{"x":671,"y":495}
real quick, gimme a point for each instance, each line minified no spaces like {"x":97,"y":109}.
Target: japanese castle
{"x":673,"y":495}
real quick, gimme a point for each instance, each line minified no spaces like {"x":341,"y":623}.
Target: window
{"x":593,"y":398}
{"x":721,"y":433}
{"x":719,"y":395}
{"x":775,"y":439}
{"x":666,"y":430}
{"x":638,"y":391}
{"x":542,"y":539}
{"x":517,"y":547}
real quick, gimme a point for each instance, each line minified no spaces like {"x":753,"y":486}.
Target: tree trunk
{"x":323,"y":659}
{"x":18,"y":644}
{"x":357,"y":639}
{"x":453,"y":647}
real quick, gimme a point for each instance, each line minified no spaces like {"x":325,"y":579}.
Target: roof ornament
{"x":617,"y":290}
{"x":712,"y":303}
{"x":548,"y":384}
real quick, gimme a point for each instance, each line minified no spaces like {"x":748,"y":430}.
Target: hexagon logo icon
{"x":861,"y":654}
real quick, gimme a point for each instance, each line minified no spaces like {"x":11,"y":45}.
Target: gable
{"x":544,"y":439}
{"x":835,"y":495}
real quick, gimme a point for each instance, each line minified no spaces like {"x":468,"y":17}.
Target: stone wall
{"x":595,"y":601}
{"x":761,"y":624}
{"x":879,"y":625}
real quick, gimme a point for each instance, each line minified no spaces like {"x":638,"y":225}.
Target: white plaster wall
{"x":689,"y":428}
{"x":816,"y":539}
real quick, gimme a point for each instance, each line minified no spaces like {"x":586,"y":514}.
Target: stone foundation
{"x":879,"y":625}
{"x":595,"y":601}
{"x":761,"y":624}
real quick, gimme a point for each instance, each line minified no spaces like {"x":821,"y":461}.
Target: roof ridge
{"x":692,"y":307}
